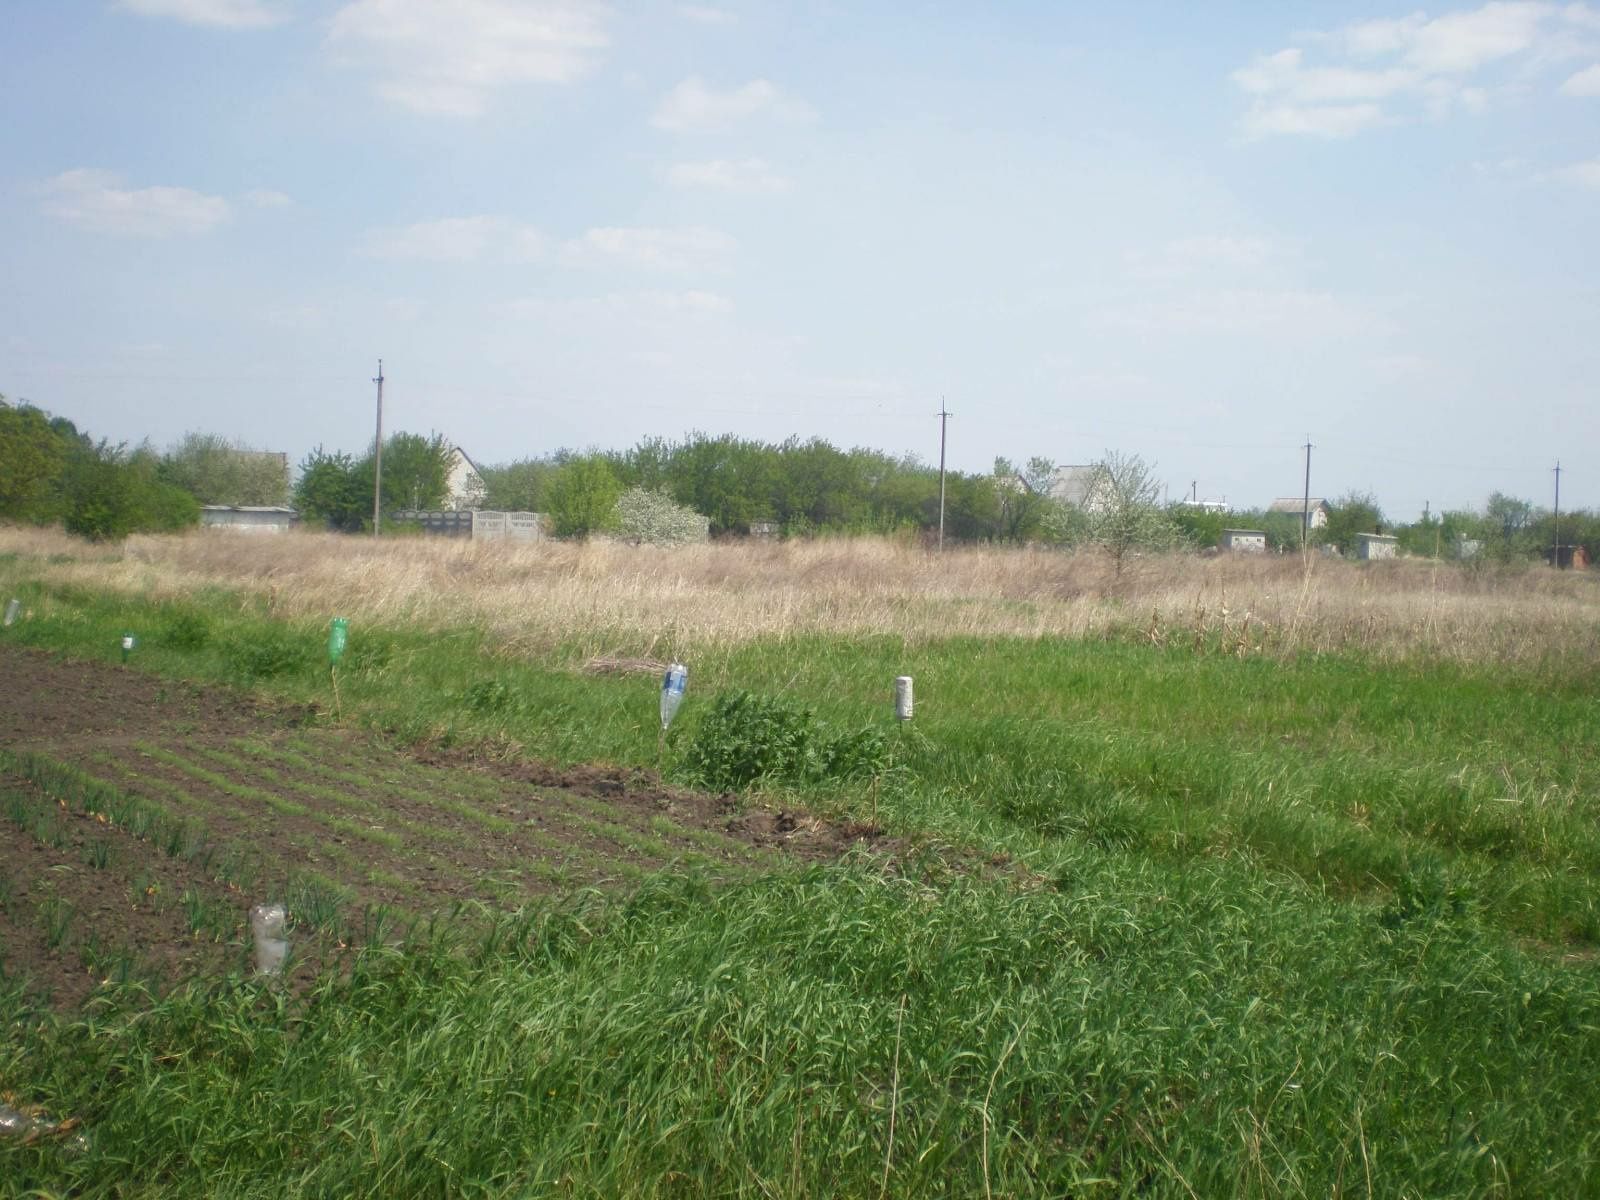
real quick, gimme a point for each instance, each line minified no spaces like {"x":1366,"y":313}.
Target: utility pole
{"x":1194,"y":490}
{"x":1305,"y":503}
{"x":944,"y":419}
{"x":377,"y":458}
{"x":1558,"y":515}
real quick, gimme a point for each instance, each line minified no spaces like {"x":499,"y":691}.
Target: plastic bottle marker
{"x":338,"y":635}
{"x":267,"y":925}
{"x":13,"y":607}
{"x":903,"y":703}
{"x":672,"y":685}
{"x":127,"y":645}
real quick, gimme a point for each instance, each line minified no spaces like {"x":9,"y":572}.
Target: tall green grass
{"x":1133,"y":1029}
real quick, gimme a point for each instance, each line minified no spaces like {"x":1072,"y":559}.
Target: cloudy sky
{"x":1199,"y":233}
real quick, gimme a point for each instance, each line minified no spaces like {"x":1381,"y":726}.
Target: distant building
{"x":1568,"y":557}
{"x":1376,"y":545}
{"x":1084,"y":486}
{"x":1244,"y":541}
{"x":1297,"y":507}
{"x":248,"y":518}
{"x":464,"y":486}
{"x":763,"y":529}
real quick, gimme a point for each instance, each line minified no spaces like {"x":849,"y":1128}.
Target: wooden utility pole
{"x":944,"y":420}
{"x":377,"y":459}
{"x":1305,"y":503}
{"x":1557,"y":559}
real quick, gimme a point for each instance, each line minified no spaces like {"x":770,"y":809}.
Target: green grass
{"x":1136,"y":1030}
{"x":1311,"y":926}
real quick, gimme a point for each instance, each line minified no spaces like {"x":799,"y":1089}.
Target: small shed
{"x":248,"y":518}
{"x":763,"y":529}
{"x":1376,"y":545}
{"x":1245,"y":541}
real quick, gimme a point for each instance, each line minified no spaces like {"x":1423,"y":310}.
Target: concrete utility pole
{"x":377,"y":459}
{"x":1305,"y":503}
{"x":944,"y":420}
{"x":1558,"y":515}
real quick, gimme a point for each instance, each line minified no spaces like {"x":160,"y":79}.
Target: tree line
{"x":51,"y":472}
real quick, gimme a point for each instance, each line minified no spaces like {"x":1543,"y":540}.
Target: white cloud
{"x":95,"y":200}
{"x":635,"y":306}
{"x":1205,"y":253}
{"x":1399,"y":68}
{"x":219,"y":14}
{"x":1285,"y":313}
{"x":455,"y":239}
{"x":266,"y":198}
{"x":695,"y":107}
{"x":449,"y":56}
{"x":658,"y":249}
{"x":1584,"y":174}
{"x":750,"y":176}
{"x":1326,"y":121}
{"x":1584,"y":83}
{"x":704,"y":14}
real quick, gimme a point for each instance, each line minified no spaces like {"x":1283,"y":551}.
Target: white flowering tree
{"x":654,"y":517}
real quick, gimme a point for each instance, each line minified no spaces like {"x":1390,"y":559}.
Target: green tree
{"x":1122,"y":510}
{"x":583,"y":498}
{"x":1199,"y":528}
{"x":1023,"y":495}
{"x":217,"y":471}
{"x":416,"y":471}
{"x":333,"y":489}
{"x":33,"y":455}
{"x":521,"y":486}
{"x":110,"y":493}
{"x":1352,"y":513}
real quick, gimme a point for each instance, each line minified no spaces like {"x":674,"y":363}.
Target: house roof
{"x":257,"y":508}
{"x":1075,"y":484}
{"x":1294,"y":504}
{"x":465,"y":457}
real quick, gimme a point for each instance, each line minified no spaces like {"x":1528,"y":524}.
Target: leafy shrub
{"x":747,"y":738}
{"x":858,"y":755}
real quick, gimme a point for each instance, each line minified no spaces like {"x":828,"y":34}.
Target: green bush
{"x":747,"y":738}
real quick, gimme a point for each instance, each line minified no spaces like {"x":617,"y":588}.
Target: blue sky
{"x":1198,"y":233}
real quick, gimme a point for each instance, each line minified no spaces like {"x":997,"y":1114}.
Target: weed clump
{"x":268,"y":654}
{"x":747,"y":738}
{"x":186,"y":630}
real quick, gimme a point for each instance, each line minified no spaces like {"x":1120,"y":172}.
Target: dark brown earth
{"x":273,"y":806}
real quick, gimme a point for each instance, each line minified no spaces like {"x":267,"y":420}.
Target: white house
{"x":464,"y":486}
{"x":1085,"y":486}
{"x":1296,"y":506}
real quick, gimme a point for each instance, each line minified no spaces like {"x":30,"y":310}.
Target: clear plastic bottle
{"x":672,"y":685}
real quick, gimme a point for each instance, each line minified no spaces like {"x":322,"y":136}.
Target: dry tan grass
{"x":611,"y":599}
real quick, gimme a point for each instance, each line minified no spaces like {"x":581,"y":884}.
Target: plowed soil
{"x":140,"y":818}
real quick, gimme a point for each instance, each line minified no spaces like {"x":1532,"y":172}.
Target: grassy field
{"x":1222,"y":878}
